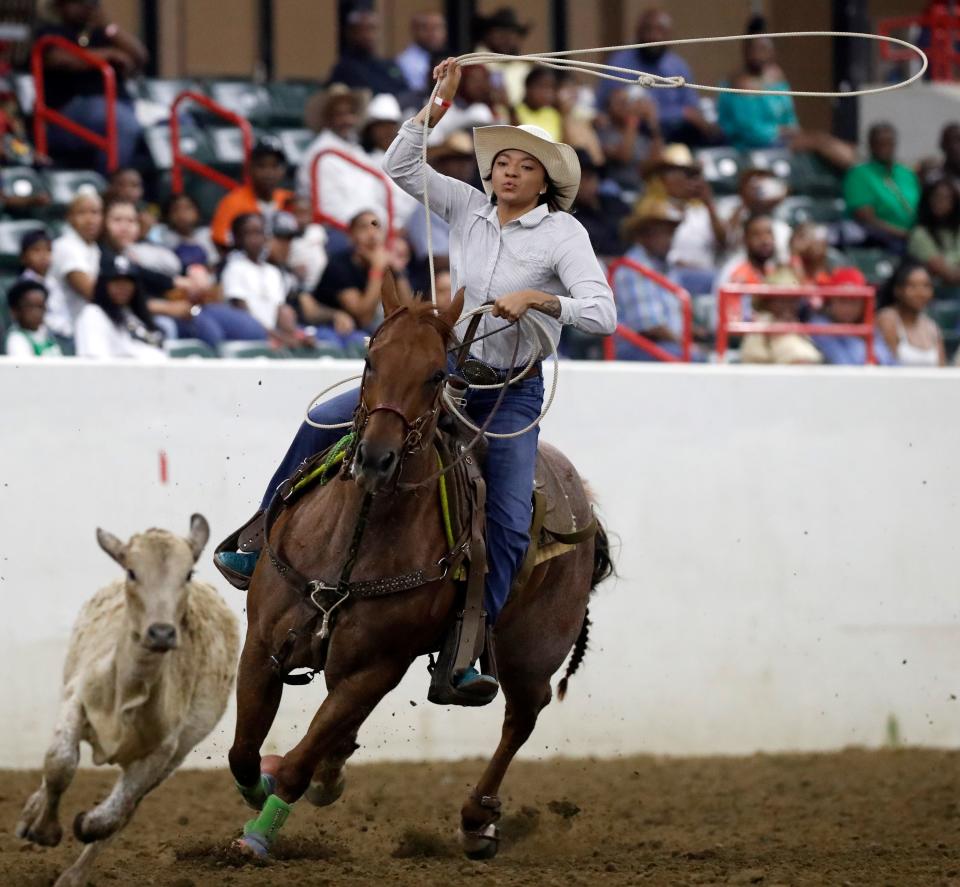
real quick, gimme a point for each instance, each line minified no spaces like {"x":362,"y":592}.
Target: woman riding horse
{"x":518,"y":249}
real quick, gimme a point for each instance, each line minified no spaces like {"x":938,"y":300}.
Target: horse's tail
{"x":602,"y":569}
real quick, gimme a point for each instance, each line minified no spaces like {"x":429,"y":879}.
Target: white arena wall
{"x":788,"y":547}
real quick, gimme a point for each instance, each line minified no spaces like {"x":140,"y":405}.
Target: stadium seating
{"x":721,"y":168}
{"x":188,"y":348}
{"x":65,"y":184}
{"x":21,"y":181}
{"x":249,"y":349}
{"x":10,"y":233}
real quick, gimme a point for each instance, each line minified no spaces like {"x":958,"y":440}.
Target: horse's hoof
{"x":252,"y":845}
{"x":45,"y":837}
{"x":320,"y":795}
{"x":482,"y":844}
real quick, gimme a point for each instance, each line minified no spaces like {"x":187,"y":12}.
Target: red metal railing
{"x":639,"y":340}
{"x":944,"y":31}
{"x":183,"y":161}
{"x":318,"y":214}
{"x":43,"y":115}
{"x":733,"y":293}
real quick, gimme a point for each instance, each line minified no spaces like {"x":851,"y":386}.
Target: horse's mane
{"x":427,"y":312}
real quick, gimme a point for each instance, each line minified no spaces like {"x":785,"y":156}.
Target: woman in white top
{"x":117,"y":323}
{"x":75,"y":262}
{"x":909,"y":332}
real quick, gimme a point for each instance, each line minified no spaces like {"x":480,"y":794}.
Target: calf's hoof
{"x":321,"y":795}
{"x":481,"y":844}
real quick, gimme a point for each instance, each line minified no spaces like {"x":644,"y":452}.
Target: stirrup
{"x":247,"y":539}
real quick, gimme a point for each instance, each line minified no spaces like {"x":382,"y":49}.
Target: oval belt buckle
{"x":476,"y":372}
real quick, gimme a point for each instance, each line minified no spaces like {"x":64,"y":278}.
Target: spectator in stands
{"x":539,"y":103}
{"x":76,"y":90}
{"x":344,"y":188}
{"x":75,"y":262}
{"x":28,"y":336}
{"x":949,"y":166}
{"x":443,"y":284}
{"x":453,"y":157}
{"x":36,"y":259}
{"x":358,"y":65}
{"x":847,"y":350}
{"x":674,"y":174}
{"x":473,"y":105}
{"x":380,"y":128}
{"x":428,"y":32}
{"x":781,"y":348}
{"x":908,"y":331}
{"x":643,"y":305}
{"x":678,"y":110}
{"x":268,"y":166}
{"x":126,"y":183}
{"x":578,"y":117}
{"x":252,"y":283}
{"x":759,"y":193}
{"x":117,"y":323}
{"x":629,"y":132}
{"x":351,"y":281}
{"x":935,"y":241}
{"x":755,"y":264}
{"x":770,"y":121}
{"x":881,"y":194}
{"x":503,"y":32}
{"x":809,"y":254}
{"x":601,"y":214}
{"x":182,"y":233}
{"x":308,"y":250}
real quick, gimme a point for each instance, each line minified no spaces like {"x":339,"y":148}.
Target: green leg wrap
{"x":256,"y":796}
{"x":264,"y":828}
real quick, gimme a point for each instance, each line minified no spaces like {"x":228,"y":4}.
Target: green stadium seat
{"x":287,"y":101}
{"x":775,"y":160}
{"x":320,"y":351}
{"x":242,"y":97}
{"x":824,"y":210}
{"x":946,"y":292}
{"x":249,"y":350}
{"x":809,"y":174}
{"x":295,"y":143}
{"x":193,"y":141}
{"x":65,"y":184}
{"x":355,"y":350}
{"x":226,"y":144}
{"x":188,"y":348}
{"x":10,"y":234}
{"x":21,"y":181}
{"x":163,"y":92}
{"x":876,"y":264}
{"x":721,"y":168}
{"x":946,"y":314}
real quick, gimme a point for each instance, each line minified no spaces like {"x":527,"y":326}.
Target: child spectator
{"x":308,"y":250}
{"x":782,"y":348}
{"x":539,"y":103}
{"x":629,"y":133}
{"x":351,"y":281}
{"x":28,"y":337}
{"x":935,"y":241}
{"x":601,"y":214}
{"x":117,"y":323}
{"x":908,"y":331}
{"x":75,"y":262}
{"x":182,"y":233}
{"x":126,"y":183}
{"x":249,"y":281}
{"x":847,"y":350}
{"x":643,"y":305}
{"x":263,"y":195}
{"x":881,"y":194}
{"x":36,"y":257}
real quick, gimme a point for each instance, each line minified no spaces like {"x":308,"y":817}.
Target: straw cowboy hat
{"x":647,"y":211}
{"x":559,"y":160}
{"x":316,"y":113}
{"x":675,"y":156}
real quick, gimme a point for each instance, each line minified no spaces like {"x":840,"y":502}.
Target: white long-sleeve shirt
{"x":542,"y":250}
{"x":98,"y":336}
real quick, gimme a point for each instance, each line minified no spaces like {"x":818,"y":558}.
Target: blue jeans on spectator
{"x":217,"y":323}
{"x":696,"y":281}
{"x":91,"y":111}
{"x":509,"y":470}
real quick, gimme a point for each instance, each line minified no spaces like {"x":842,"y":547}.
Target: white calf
{"x":148,"y":673}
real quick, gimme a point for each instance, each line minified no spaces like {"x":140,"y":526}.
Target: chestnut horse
{"x":375,"y":641}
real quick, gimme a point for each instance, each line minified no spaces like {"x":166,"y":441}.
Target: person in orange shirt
{"x":268,"y":165}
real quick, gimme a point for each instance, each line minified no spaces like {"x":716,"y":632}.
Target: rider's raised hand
{"x":448,"y":73}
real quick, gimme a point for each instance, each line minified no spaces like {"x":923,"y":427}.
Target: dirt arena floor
{"x":853,"y":818}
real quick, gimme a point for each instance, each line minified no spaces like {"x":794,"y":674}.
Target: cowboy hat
{"x":675,"y":156}
{"x":317,"y":109}
{"x":559,"y":160}
{"x":648,"y":210}
{"x":383,"y":108}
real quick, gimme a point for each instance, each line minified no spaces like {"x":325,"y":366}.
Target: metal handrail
{"x":318,"y":214}
{"x":183,"y":161}
{"x":43,"y":115}
{"x":944,"y":31}
{"x":638,"y":339}
{"x":731,"y":292}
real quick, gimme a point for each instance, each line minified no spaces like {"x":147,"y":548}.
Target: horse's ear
{"x":451,"y":314}
{"x":389,"y":295}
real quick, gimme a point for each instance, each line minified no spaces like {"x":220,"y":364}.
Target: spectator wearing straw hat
{"x":359,"y":65}
{"x":643,"y":305}
{"x":268,"y":166}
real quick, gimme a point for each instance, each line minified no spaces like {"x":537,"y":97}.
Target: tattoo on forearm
{"x":550,"y":307}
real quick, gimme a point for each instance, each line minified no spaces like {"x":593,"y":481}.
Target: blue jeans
{"x":217,"y":323}
{"x":508,"y":469}
{"x":91,"y":111}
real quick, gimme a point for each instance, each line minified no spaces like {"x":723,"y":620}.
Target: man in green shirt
{"x":882,"y":195}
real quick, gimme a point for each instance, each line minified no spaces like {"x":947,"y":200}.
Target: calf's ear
{"x":199,"y":534}
{"x":112,"y":546}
